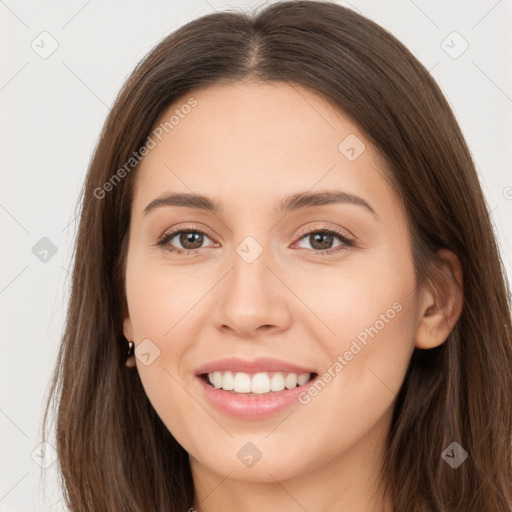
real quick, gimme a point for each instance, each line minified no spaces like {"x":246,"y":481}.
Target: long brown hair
{"x":109,"y":438}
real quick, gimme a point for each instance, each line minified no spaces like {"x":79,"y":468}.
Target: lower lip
{"x":252,"y":407}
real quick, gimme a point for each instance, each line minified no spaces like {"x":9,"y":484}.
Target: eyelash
{"x":347,"y":242}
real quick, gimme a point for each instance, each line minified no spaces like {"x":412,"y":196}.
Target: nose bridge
{"x":249,"y":279}
{"x":251,"y":295}
{"x":252,"y":241}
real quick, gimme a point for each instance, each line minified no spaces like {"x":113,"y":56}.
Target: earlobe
{"x":441,"y":303}
{"x":127,"y":328}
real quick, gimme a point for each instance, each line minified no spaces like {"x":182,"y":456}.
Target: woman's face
{"x":271,"y":288}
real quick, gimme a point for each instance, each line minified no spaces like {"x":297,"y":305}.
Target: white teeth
{"x":258,"y":383}
{"x":217,"y":379}
{"x":302,"y":379}
{"x":242,"y":383}
{"x":291,"y":381}
{"x":228,"y":382}
{"x":277,"y":382}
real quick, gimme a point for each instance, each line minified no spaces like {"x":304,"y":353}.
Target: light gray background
{"x":52,"y":112}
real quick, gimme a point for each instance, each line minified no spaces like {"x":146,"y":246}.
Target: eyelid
{"x":344,"y":233}
{"x":174,"y":230}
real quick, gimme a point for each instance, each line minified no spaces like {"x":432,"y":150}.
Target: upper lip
{"x":261,"y":364}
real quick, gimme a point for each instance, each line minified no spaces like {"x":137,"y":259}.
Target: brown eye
{"x":321,"y":241}
{"x":189,"y":240}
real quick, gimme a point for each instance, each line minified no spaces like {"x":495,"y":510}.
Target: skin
{"x":248,"y":145}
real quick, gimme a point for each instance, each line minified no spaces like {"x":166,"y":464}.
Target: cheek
{"x":368,"y":321}
{"x":161,"y":306}
{"x":161,"y":309}
{"x":161,"y":300}
{"x":363,"y":301}
{"x":367,"y":360}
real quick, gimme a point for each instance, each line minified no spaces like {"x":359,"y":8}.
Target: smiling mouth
{"x":256,"y":383}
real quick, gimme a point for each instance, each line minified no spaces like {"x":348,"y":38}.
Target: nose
{"x":253,"y":299}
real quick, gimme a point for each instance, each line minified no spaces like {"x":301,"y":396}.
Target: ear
{"x":441,"y":302}
{"x":128,"y":334}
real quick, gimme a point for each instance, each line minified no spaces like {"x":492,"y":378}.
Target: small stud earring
{"x":131,"y":350}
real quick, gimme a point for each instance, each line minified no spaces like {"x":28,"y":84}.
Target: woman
{"x":286,"y":290}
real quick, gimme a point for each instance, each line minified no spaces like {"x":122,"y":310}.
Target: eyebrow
{"x":291,"y":203}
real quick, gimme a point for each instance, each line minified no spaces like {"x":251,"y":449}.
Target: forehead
{"x":248,"y":139}
{"x":260,"y":111}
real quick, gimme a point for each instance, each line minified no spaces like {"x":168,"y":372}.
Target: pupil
{"x":327,"y":240}
{"x":188,"y":238}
